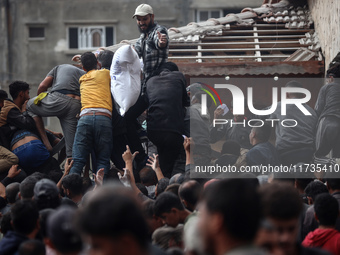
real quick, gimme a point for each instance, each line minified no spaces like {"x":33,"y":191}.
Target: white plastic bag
{"x":125,"y":77}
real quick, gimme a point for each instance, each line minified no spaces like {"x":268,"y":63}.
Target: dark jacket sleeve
{"x":320,"y":102}
{"x":21,"y":120}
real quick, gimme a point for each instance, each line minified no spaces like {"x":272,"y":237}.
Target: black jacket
{"x":167,"y":99}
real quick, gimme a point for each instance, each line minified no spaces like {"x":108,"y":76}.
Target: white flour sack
{"x":125,"y":77}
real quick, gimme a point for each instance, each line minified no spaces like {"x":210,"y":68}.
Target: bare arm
{"x":45,"y":84}
{"x":153,"y":162}
{"x":67,"y":168}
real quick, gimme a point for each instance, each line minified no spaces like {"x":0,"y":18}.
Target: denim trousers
{"x":94,"y":132}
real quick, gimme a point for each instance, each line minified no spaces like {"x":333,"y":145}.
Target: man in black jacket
{"x":167,"y":98}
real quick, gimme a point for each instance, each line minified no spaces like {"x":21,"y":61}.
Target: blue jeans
{"x":94,"y":132}
{"x":32,"y":154}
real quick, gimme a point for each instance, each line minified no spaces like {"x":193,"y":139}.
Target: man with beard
{"x":153,"y":43}
{"x":152,"y":46}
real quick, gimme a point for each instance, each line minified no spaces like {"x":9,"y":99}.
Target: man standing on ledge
{"x":153,"y":43}
{"x":152,"y":46}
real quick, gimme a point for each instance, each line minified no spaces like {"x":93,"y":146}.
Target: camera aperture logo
{"x":239,"y":105}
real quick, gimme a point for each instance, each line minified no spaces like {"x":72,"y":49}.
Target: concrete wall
{"x":326,"y":15}
{"x":32,"y":59}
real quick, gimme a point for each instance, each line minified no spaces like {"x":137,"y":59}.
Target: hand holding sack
{"x":125,"y":77}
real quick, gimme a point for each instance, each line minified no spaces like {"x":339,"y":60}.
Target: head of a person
{"x":333,"y":184}
{"x":231,"y":147}
{"x":89,"y":61}
{"x":294,"y":84}
{"x":145,"y":17}
{"x":12,"y":191}
{"x":32,"y":247}
{"x":167,"y":66}
{"x":19,"y":90}
{"x":282,"y":207}
{"x":333,"y":73}
{"x":72,"y":185}
{"x":105,"y":58}
{"x":197,"y":98}
{"x":326,"y":209}
{"x":3,"y":96}
{"x":5,"y":223}
{"x":25,"y":216}
{"x":168,"y":237}
{"x":193,"y":88}
{"x":112,"y":221}
{"x":43,"y":216}
{"x":314,"y":189}
{"x":190,"y":192}
{"x":173,"y":188}
{"x":153,"y":221}
{"x":177,"y":178}
{"x":27,"y":186}
{"x":46,"y":194}
{"x":168,"y":207}
{"x":161,"y":186}
{"x":227,"y":218}
{"x":260,"y":134}
{"x":61,"y":231}
{"x":148,"y":176}
{"x":304,"y":178}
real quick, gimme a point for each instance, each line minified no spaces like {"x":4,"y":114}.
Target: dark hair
{"x":105,"y":58}
{"x":177,"y":178}
{"x":231,"y":147}
{"x":47,"y":202}
{"x":262,"y":133}
{"x":334,"y":71}
{"x":16,"y":87}
{"x":148,"y":208}
{"x":238,"y":196}
{"x":89,"y":61}
{"x":3,"y":94}
{"x":326,"y":208}
{"x":173,"y":188}
{"x":87,"y":184}
{"x":165,"y":202}
{"x":43,"y":216}
{"x":27,"y":186}
{"x":11,"y":192}
{"x":116,"y":214}
{"x":62,"y":232}
{"x":315,"y":188}
{"x":280,"y":201}
{"x":171,"y":66}
{"x":142,"y":188}
{"x":162,"y":236}
{"x":191,"y":192}
{"x":333,"y":183}
{"x":162,"y":184}
{"x":147,"y":176}
{"x":74,"y":183}
{"x":32,"y":247}
{"x":24,"y":214}
{"x":5,"y":224}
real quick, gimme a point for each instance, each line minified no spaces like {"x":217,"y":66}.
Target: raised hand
{"x":162,"y":38}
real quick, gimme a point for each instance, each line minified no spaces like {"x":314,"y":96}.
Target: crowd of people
{"x":136,"y":201}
